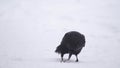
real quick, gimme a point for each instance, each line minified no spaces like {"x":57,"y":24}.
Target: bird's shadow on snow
{"x":58,"y":60}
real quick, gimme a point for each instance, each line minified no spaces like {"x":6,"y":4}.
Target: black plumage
{"x":72,"y":43}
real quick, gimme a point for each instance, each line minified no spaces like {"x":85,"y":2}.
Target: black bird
{"x":72,"y":43}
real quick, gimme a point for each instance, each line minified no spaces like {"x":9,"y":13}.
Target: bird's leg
{"x":76,"y":58}
{"x":69,"y":56}
{"x":62,"y":57}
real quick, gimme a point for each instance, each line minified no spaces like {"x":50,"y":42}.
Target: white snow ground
{"x":30,"y":31}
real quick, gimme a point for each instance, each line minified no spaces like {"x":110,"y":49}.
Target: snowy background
{"x":30,"y":31}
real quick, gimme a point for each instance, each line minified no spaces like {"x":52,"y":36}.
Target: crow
{"x":72,"y":43}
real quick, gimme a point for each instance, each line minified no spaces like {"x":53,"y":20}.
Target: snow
{"x":30,"y":31}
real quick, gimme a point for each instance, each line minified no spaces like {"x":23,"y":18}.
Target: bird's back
{"x":73,"y":40}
